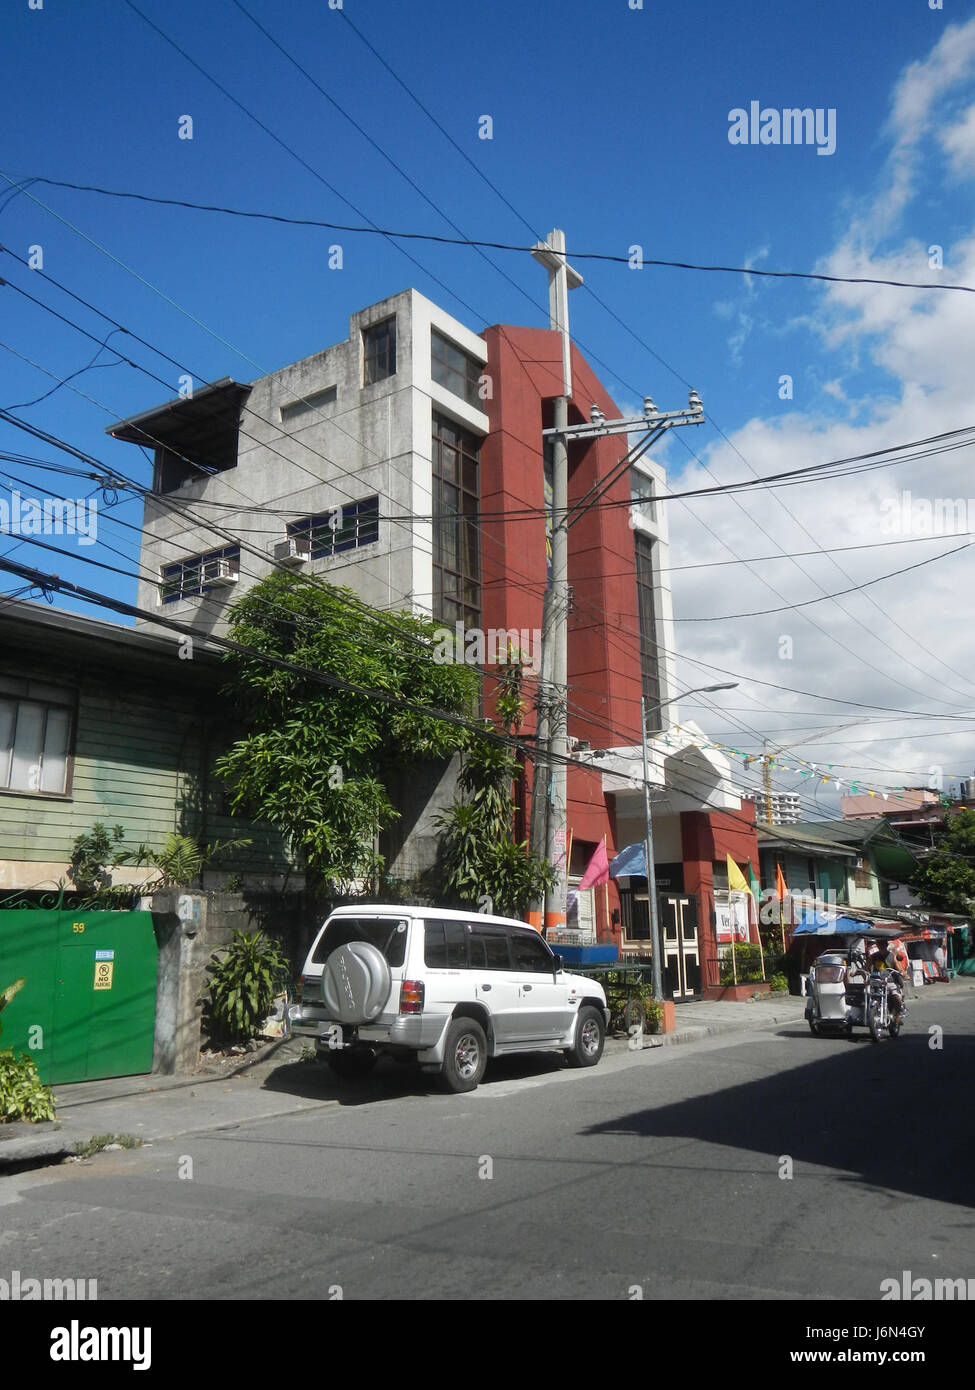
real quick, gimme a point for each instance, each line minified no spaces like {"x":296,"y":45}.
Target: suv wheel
{"x":465,"y":1055}
{"x":351,"y":1062}
{"x":590,"y":1036}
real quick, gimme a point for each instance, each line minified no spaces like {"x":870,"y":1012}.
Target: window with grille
{"x":199,"y":574}
{"x":348,"y":527}
{"x":379,"y":351}
{"x":456,"y":553}
{"x":36,"y":728}
{"x":454,"y":369}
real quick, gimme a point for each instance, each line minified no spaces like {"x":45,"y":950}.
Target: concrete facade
{"x":299,"y":455}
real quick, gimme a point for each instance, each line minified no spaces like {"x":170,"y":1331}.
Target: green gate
{"x":88,"y":1007}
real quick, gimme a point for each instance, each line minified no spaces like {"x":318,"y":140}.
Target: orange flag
{"x":780,"y":884}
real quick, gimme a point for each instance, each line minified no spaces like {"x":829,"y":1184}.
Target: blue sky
{"x":613,"y":124}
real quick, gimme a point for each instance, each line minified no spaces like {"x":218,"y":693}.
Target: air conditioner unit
{"x":218,"y":574}
{"x":295,"y":550}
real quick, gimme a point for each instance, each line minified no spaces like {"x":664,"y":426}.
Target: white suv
{"x":447,"y":989}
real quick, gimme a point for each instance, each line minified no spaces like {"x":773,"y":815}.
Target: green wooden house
{"x":100,"y":722}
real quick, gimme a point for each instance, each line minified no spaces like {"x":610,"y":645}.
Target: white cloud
{"x":958,"y":142}
{"x":907,"y":642}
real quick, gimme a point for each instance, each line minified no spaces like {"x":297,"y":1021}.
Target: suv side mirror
{"x":556,"y":964}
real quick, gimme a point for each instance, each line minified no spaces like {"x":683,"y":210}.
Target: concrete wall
{"x":186,"y":946}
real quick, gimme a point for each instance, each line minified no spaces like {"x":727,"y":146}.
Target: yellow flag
{"x":736,"y":879}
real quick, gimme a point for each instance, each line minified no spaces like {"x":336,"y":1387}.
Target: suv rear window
{"x":388,"y":934}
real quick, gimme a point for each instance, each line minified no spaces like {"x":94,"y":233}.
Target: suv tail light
{"x":411,"y":997}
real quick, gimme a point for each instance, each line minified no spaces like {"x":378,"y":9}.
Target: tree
{"x":945,"y":879}
{"x":313,"y":757}
{"x":478,"y":855}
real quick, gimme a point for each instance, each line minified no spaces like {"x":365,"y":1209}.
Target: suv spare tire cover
{"x":355,"y":982}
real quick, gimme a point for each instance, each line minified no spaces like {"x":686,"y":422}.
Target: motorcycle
{"x":884,"y":1008}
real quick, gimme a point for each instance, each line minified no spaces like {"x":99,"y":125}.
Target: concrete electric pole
{"x":548,"y":830}
{"x":550,"y":755}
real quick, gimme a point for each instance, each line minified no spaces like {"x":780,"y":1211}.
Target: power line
{"x":858,"y":588}
{"x":471,"y":242}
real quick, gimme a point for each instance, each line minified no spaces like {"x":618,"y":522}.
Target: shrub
{"x":748,"y":960}
{"x":243,"y":985}
{"x":22,"y":1094}
{"x":779,"y":983}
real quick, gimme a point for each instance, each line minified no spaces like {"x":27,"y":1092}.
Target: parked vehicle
{"x":858,"y":988}
{"x":443,"y":988}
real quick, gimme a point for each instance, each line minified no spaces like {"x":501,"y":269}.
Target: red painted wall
{"x":706,"y":837}
{"x":525,"y":367}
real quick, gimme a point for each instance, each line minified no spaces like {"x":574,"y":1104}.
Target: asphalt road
{"x":762,"y":1165}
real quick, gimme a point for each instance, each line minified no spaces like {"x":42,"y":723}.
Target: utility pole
{"x":550,"y":757}
{"x":548,"y":830}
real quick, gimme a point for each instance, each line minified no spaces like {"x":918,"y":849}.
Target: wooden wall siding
{"x":142,"y":760}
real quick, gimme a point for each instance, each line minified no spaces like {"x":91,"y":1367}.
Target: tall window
{"x":35,"y":737}
{"x":379,"y":351}
{"x":343,"y":528}
{"x":649,"y":655}
{"x":453,"y":369}
{"x":456,"y":555}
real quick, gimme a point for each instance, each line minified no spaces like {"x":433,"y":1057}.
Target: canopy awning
{"x":816,"y":924}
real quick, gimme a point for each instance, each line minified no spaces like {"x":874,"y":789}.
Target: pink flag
{"x":597,"y":870}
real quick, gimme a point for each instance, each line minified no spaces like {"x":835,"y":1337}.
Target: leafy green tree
{"x":478,"y":855}
{"x":945,"y":879}
{"x":314,"y":759}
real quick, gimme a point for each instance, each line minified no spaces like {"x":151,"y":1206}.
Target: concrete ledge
{"x":738,"y":994}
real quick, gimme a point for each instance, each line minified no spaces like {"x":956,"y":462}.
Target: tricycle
{"x":861,"y":988}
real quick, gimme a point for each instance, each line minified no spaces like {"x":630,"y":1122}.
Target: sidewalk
{"x":275,"y":1082}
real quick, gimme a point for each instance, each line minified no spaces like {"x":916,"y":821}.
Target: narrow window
{"x":456,"y":549}
{"x":649,"y":662}
{"x":379,"y":351}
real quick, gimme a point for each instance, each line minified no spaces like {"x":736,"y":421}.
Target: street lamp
{"x":656,"y":944}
